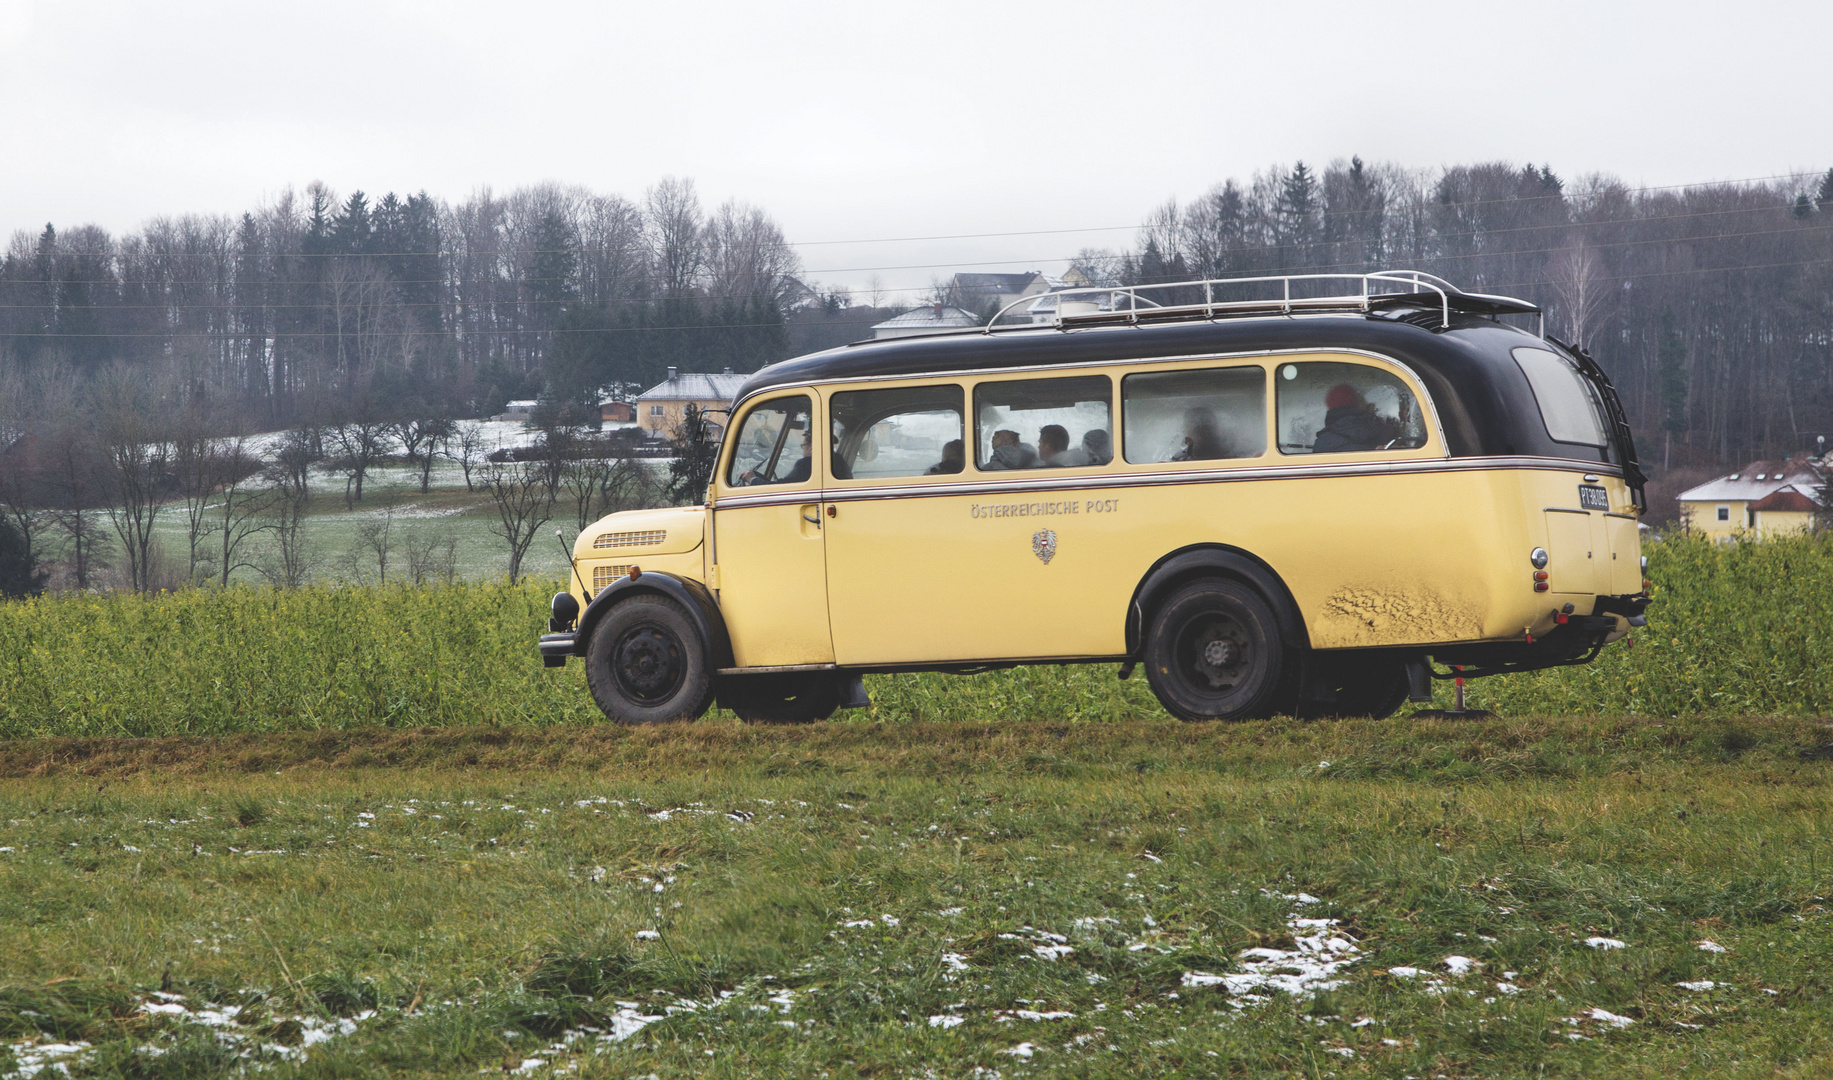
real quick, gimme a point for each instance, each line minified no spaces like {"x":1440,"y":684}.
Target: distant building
{"x":616,"y":412}
{"x":981,"y":291}
{"x":662,"y":407}
{"x":517,"y":410}
{"x":1763,"y":499}
{"x":926,"y":320}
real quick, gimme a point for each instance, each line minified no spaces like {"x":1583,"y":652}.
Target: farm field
{"x":1522,"y":897}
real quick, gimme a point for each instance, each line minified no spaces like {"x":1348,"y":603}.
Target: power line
{"x":1324,"y":215}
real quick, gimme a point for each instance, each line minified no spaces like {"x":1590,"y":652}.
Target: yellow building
{"x":661,"y":408}
{"x":1763,"y":499}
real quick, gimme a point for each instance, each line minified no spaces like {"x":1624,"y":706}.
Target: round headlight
{"x":1539,"y":558}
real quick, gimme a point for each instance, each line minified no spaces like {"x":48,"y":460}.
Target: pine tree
{"x":1826,"y":190}
{"x":351,"y":230}
{"x":554,"y":266}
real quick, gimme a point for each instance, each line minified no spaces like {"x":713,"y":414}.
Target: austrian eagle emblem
{"x":1044,"y":545}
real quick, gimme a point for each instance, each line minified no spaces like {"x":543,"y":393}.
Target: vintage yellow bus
{"x":1308,"y":500}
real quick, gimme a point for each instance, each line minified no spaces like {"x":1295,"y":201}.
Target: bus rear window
{"x":1568,"y":407}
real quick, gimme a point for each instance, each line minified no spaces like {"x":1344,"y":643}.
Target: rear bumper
{"x":555,"y":648}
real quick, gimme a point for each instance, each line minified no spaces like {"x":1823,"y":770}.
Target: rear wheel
{"x":1213,"y":652}
{"x":782,"y":698}
{"x":645,"y":663}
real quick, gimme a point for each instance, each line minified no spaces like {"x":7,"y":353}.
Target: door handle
{"x":815,"y":521}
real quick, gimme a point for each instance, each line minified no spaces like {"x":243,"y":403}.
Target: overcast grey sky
{"x":854,"y":122}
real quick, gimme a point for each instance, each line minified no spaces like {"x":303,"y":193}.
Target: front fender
{"x":690,"y":594}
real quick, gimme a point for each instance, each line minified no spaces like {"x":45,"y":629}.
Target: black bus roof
{"x":1482,"y":396}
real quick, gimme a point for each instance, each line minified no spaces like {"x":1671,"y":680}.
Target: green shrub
{"x":1736,"y":629}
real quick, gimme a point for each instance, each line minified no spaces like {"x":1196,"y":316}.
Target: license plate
{"x":1592,"y":497}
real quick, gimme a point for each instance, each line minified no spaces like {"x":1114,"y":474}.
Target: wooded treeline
{"x":316,"y":309}
{"x":1711,"y":306}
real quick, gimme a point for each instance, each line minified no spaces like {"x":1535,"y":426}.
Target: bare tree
{"x":198,"y":463}
{"x":23,"y":492}
{"x":1577,"y":277}
{"x":466,"y":448}
{"x":748,"y":257}
{"x":240,"y":514}
{"x":421,"y":439}
{"x":289,"y":498}
{"x":673,"y":226}
{"x":431,"y":557}
{"x":375,"y":541}
{"x":361,"y":442}
{"x":524,"y":498}
{"x":139,"y":460}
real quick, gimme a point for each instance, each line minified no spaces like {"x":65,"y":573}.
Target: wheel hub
{"x":649,"y":663}
{"x":1218,"y":652}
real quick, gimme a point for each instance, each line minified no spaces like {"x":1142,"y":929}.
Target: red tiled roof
{"x":1786,"y":499}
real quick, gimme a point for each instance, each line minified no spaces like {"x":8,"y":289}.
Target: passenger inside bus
{"x":1098,"y":445}
{"x":1009,"y":453}
{"x":954,"y":458}
{"x":1350,"y":423}
{"x":1203,"y":439}
{"x":1206,"y":414}
{"x":796,"y":474}
{"x":1053,"y":447}
{"x":1338,"y":408}
{"x":1071,"y":416}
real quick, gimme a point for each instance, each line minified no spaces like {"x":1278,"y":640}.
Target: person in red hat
{"x":1350,"y":423}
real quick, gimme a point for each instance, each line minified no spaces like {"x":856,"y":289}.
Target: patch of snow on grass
{"x":1310,"y":967}
{"x":945,"y":1022}
{"x":1460,"y":965}
{"x":1703,"y":984}
{"x":32,"y":1059}
{"x":1606,"y":943}
{"x":1712,"y":946}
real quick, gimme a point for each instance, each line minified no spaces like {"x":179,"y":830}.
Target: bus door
{"x":897,"y":551}
{"x":769,"y":538}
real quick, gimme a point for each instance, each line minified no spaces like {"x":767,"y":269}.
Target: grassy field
{"x":392,"y":495}
{"x":1527,"y":897}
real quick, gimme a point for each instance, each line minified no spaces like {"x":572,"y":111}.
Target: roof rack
{"x":1382,"y":289}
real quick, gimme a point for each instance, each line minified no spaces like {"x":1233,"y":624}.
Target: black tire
{"x":1372,"y":687}
{"x":782,"y":698}
{"x":645,"y":663}
{"x":1213,"y":652}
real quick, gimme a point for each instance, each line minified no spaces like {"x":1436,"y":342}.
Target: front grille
{"x":630,"y":539}
{"x":605,"y":575}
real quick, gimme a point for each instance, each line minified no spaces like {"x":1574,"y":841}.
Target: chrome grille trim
{"x":642,"y":538}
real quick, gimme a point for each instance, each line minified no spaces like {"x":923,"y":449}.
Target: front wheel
{"x":1213,"y":652}
{"x":645,"y":663}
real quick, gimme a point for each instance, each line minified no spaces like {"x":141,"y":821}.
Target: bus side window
{"x":1207,"y":414}
{"x":1331,"y":408}
{"x":1044,"y":423}
{"x":908,"y":431}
